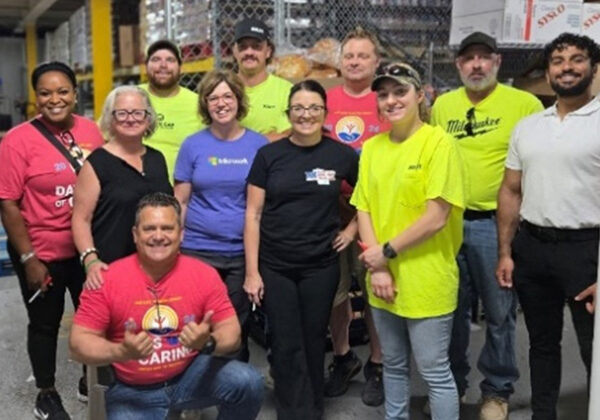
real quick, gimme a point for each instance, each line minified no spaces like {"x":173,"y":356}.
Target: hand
{"x":373,"y":258}
{"x":504,"y":272}
{"x":382,"y":283}
{"x":35,"y":273}
{"x":194,"y":336}
{"x":136,"y":346}
{"x":94,"y":279}
{"x":589,"y":294}
{"x":341,"y":241}
{"x":253,"y":285}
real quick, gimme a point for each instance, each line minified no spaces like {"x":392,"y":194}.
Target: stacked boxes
{"x":80,"y":39}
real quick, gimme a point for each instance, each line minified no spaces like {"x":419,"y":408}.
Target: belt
{"x":550,"y":234}
{"x":156,"y":385}
{"x":476,"y":214}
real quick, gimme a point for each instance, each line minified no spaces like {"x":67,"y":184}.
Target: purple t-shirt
{"x":217,"y":170}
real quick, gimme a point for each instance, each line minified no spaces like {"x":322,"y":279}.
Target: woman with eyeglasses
{"x":39,"y":160}
{"x":210,"y":183}
{"x":112,"y":181}
{"x":410,"y":199}
{"x":292,"y":262}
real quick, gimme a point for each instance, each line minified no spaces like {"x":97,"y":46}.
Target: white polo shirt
{"x":560,"y":165}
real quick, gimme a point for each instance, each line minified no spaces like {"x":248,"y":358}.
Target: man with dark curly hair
{"x":549,"y":216}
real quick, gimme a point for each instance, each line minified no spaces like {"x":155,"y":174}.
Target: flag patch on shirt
{"x":320,"y":176}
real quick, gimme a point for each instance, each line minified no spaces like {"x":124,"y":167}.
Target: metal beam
{"x":102,"y":63}
{"x":31,"y":50}
{"x":34,"y":13}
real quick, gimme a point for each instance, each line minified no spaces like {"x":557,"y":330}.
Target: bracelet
{"x":87,"y":252}
{"x":26,"y":257}
{"x":88,"y":265}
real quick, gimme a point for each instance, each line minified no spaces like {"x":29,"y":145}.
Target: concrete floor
{"x":17,"y":389}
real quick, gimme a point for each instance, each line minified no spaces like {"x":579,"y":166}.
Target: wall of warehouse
{"x":13,"y":75}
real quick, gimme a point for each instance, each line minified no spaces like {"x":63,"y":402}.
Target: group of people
{"x":179,"y":211}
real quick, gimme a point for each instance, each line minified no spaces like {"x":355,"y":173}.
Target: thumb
{"x":208,"y":316}
{"x":130,"y":326}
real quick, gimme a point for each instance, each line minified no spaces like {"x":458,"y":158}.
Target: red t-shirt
{"x":34,"y":173}
{"x":352,"y":120}
{"x":161,"y":309}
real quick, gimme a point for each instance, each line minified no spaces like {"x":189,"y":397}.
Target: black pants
{"x":545,"y":272}
{"x":233,"y":272}
{"x":46,"y":311}
{"x":298,"y":304}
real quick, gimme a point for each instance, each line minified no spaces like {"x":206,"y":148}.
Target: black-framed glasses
{"x":74,"y":150}
{"x":313,"y":110}
{"x":470,"y":121}
{"x":138,"y":115}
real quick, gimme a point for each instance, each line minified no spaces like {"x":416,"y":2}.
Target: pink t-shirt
{"x":34,"y":173}
{"x":161,"y":309}
{"x":353,"y":120}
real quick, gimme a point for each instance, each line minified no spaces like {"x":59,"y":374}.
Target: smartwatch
{"x":209,"y":346}
{"x":388,"y":251}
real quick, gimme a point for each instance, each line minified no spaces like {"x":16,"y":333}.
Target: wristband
{"x":26,"y":257}
{"x":88,"y":265}
{"x":389,"y":252}
{"x":87,"y":252}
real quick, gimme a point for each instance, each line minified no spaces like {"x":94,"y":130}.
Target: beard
{"x":480,"y":85}
{"x":575,"y":90}
{"x":166,"y":83}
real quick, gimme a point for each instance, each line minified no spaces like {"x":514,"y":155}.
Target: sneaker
{"x":493,"y":408}
{"x":48,"y":406}
{"x":341,"y":370}
{"x":82,"y":390}
{"x":372,"y":393}
{"x":427,"y":407}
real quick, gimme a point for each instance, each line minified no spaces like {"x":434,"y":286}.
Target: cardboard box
{"x":129,"y":45}
{"x":590,"y":21}
{"x":540,"y":21}
{"x":475,"y":15}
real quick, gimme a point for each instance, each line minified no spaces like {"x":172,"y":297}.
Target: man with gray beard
{"x":481,"y":115}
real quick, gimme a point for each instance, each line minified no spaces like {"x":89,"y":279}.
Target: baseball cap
{"x":478,"y":38}
{"x":163,"y":44}
{"x":251,"y":28}
{"x":400,"y":72}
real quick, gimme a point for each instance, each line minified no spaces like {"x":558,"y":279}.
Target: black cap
{"x":478,"y":38}
{"x":163,"y":44}
{"x":251,"y":28}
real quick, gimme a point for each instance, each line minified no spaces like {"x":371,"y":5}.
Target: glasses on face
{"x":228,"y":98}
{"x":138,"y":115}
{"x":74,"y":150}
{"x":470,"y":121}
{"x":313,"y":110}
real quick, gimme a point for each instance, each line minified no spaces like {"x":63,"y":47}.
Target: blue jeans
{"x":429,"y":339}
{"x":477,"y":261}
{"x":234,"y":386}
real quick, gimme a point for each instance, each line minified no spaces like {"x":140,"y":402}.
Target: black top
{"x":301,"y":214}
{"x":121,"y":187}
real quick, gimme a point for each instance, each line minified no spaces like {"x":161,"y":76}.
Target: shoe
{"x":82,"y":390}
{"x":48,"y":406}
{"x":341,"y":370}
{"x":372,"y":393}
{"x":493,"y":408}
{"x":427,"y":407}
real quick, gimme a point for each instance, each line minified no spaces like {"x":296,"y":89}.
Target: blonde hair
{"x":361,"y":33}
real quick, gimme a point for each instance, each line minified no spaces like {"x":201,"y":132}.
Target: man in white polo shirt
{"x":549,"y":215}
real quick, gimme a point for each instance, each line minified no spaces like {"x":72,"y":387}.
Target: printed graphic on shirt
{"x":320,"y":176}
{"x":64,"y":195}
{"x":459,"y":128}
{"x":349,"y":129}
{"x":215,"y":161}
{"x":167,"y":125}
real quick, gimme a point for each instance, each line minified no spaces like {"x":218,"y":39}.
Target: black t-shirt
{"x":121,"y":187}
{"x":301,"y":213}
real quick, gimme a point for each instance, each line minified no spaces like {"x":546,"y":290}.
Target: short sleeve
{"x":217,"y":300}
{"x":258,"y":171}
{"x":445,"y":175}
{"x":13,"y":162}
{"x":93,"y":311}
{"x":513,"y":160}
{"x":360,"y":198}
{"x":184,"y":165}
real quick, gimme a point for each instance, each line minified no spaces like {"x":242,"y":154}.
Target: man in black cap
{"x":175,"y":105}
{"x":267,"y":94}
{"x":481,"y":115}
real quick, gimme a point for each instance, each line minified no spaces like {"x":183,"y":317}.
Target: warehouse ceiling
{"x":49,"y":14}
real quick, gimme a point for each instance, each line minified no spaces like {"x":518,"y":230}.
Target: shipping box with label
{"x":469,"y":16}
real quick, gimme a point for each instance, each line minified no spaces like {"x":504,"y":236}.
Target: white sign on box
{"x":469,"y":16}
{"x":590,"y":21}
{"x":540,"y":21}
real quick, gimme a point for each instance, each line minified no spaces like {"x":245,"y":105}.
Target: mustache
{"x":569,"y":72}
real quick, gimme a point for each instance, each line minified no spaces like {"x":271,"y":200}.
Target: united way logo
{"x":349,"y":129}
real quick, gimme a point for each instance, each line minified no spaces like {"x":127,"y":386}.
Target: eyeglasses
{"x":470,"y":121}
{"x":313,"y":110}
{"x":74,"y":150}
{"x":228,"y":98}
{"x":138,"y":115}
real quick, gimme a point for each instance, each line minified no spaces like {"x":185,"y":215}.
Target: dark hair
{"x":157,"y":199}
{"x":565,"y":40}
{"x":209,"y":83}
{"x":308,"y":85}
{"x":52,"y":66}
{"x":163,"y":44}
